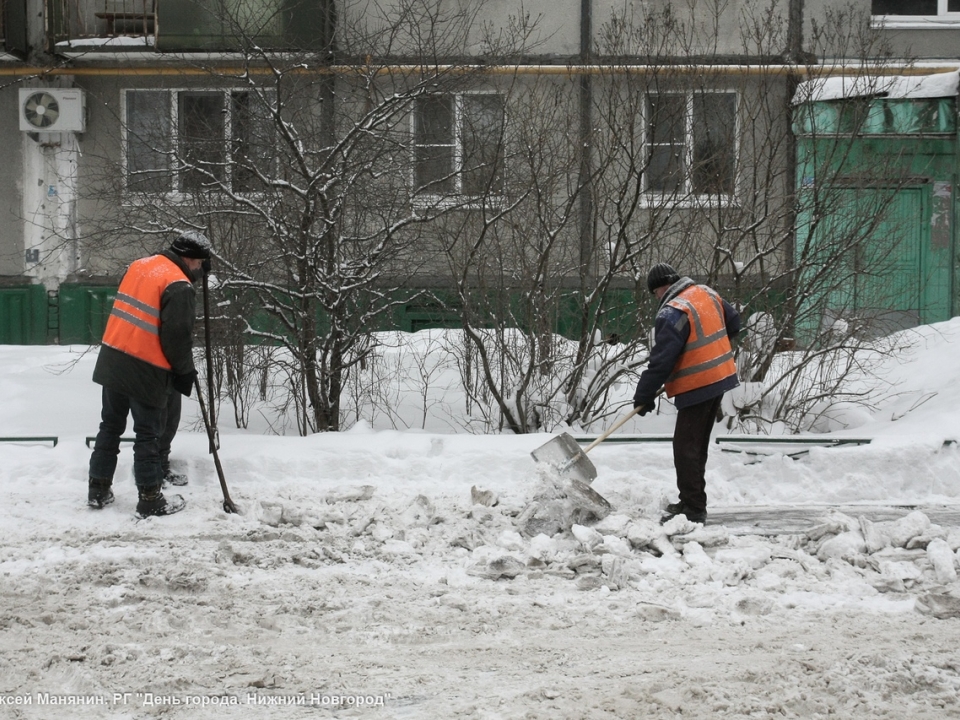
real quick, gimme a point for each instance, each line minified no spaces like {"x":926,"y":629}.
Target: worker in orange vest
{"x":147,"y":354}
{"x":693,"y":359}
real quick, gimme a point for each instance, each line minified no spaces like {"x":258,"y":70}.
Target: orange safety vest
{"x":707,"y":357}
{"x":134,"y":324}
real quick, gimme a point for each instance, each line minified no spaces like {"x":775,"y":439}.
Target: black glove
{"x":183,"y":384}
{"x":205,"y":266}
{"x":644,"y":405}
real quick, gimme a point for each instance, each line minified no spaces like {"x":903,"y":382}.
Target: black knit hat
{"x":192,"y":244}
{"x":661,"y":274}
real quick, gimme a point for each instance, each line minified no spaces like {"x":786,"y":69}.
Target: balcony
{"x":101,"y":24}
{"x":13,"y":27}
{"x":188,"y":25}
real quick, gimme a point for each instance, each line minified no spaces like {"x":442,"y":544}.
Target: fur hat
{"x":192,"y":244}
{"x":661,"y":274}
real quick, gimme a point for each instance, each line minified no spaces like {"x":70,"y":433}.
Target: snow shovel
{"x":565,"y":455}
{"x":215,"y":434}
{"x":228,"y":506}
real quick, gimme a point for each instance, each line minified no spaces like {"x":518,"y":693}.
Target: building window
{"x":458,"y":145}
{"x":188,"y":141}
{"x":916,"y":8}
{"x":911,"y":14}
{"x":691,"y":143}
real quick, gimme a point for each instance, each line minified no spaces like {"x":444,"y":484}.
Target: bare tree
{"x":843,"y":244}
{"x":335,"y":181}
{"x":300,"y":171}
{"x":692,"y":163}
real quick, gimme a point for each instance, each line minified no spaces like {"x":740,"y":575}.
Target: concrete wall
{"x":553,"y":27}
{"x":940,"y":40}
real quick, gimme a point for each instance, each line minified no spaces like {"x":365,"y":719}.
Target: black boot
{"x":99,"y":493}
{"x":174,"y":478}
{"x":152,"y":503}
{"x":697,"y":516}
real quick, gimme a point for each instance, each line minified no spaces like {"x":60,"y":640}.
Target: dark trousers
{"x":148,"y":423}
{"x":691,"y":443}
{"x":171,"y":421}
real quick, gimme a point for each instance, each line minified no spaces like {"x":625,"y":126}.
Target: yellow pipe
{"x":563,"y":70}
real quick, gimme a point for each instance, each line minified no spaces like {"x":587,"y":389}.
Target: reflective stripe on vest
{"x":134,"y":324}
{"x":707,"y":357}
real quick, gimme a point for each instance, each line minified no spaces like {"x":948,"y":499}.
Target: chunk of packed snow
{"x":613,"y":525}
{"x":939,"y":605}
{"x":643,"y":532}
{"x":754,"y":556}
{"x":842,"y":546}
{"x":616,"y":545}
{"x":943,"y":560}
{"x":679,"y":525}
{"x":587,"y":535}
{"x":706,"y":536}
{"x":907,"y":528}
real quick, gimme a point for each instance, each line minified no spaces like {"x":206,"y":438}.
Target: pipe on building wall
{"x":496,"y":70}
{"x":795,"y":51}
{"x":585,"y":229}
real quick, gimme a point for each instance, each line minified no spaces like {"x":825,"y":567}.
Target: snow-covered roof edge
{"x":892,"y":86}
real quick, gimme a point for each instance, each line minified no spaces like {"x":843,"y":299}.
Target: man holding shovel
{"x":693,"y":359}
{"x":147,"y":353}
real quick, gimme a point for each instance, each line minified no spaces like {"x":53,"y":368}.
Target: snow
{"x":937,"y":85}
{"x":100,"y":43}
{"x":382,"y":565}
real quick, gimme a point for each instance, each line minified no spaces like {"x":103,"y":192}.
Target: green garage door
{"x":870,"y":259}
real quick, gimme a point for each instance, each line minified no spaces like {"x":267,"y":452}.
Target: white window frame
{"x":944,"y":19}
{"x":174,"y":193}
{"x":456,"y":198}
{"x":687,"y":197}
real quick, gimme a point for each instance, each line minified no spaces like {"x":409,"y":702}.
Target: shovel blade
{"x":567,"y":458}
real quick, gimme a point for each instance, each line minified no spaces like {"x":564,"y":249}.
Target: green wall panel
{"x":23,"y":315}
{"x":83,"y":313}
{"x":910,"y":175}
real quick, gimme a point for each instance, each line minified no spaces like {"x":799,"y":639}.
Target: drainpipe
{"x":586,"y":149}
{"x":328,"y":85}
{"x":794,"y":55}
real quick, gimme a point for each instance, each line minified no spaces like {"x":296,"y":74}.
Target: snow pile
{"x":405,"y":566}
{"x":937,"y":85}
{"x":891,"y":566}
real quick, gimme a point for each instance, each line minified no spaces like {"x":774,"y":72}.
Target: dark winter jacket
{"x":141,"y":380}
{"x":671,"y":331}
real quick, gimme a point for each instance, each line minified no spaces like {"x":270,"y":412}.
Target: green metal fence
{"x":77,"y":313}
{"x":83,"y":312}
{"x":23,"y":315}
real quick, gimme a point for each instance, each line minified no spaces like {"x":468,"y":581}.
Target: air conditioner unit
{"x":52,"y":110}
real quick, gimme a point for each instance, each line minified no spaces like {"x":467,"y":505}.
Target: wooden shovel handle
{"x":617,"y":424}
{"x":613,"y":429}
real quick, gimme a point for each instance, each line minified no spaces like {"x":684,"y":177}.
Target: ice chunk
{"x":943,"y":561}
{"x":679,"y":525}
{"x":907,"y":528}
{"x":755,"y":556}
{"x":939,"y":605}
{"x":695,"y":556}
{"x":613,"y":525}
{"x":616,"y":545}
{"x":643,"y":532}
{"x":588,"y":536}
{"x":843,"y":546}
{"x":876,"y":536}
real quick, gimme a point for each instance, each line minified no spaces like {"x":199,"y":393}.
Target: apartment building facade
{"x":599,"y":135}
